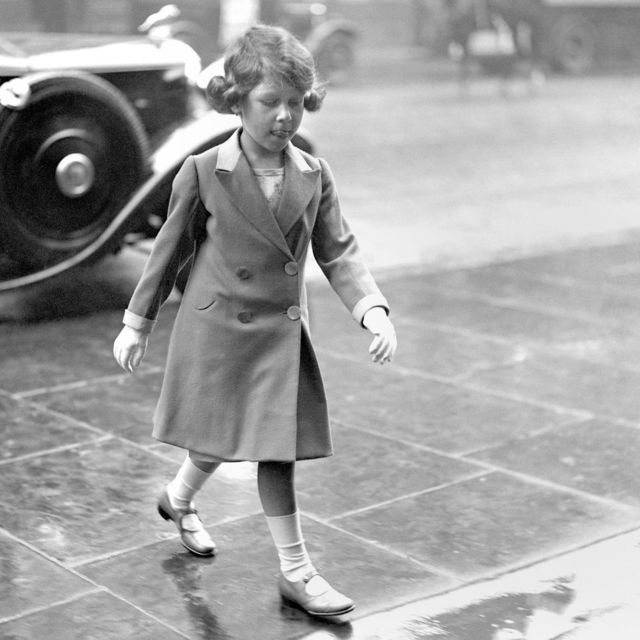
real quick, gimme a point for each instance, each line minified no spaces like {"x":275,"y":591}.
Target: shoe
{"x":315,"y":595}
{"x":192,"y":532}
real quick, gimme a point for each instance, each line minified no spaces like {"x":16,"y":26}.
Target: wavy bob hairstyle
{"x":265,"y":52}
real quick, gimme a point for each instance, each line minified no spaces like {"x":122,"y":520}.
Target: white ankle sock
{"x":186,"y":484}
{"x":287,"y":536}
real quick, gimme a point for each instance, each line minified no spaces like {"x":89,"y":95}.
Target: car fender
{"x":325,"y":30}
{"x":194,"y":137}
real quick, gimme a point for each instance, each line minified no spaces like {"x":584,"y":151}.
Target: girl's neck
{"x":260,"y":160}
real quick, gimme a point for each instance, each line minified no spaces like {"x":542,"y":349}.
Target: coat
{"x":242,"y":381}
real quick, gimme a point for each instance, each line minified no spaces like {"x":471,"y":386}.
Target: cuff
{"x":366,"y":303}
{"x":140,"y":323}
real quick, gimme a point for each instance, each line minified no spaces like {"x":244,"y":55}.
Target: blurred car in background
{"x":92,"y":130}
{"x":206,"y":25}
{"x":571,"y":36}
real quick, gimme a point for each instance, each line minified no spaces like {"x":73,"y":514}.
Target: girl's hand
{"x":385,"y":342}
{"x":129,"y":348}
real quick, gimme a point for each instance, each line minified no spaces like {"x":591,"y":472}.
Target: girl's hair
{"x":265,"y":51}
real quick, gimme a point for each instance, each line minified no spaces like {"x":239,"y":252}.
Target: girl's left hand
{"x":383,"y":346}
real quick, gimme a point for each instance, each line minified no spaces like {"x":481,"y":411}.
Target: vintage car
{"x":92,"y":131}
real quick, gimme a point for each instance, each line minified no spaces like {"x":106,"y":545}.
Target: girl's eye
{"x":270,"y":103}
{"x":295,"y":103}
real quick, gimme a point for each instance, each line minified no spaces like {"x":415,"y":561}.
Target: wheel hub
{"x":75,"y":175}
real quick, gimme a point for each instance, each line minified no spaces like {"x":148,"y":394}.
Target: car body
{"x":92,"y":130}
{"x":571,"y":36}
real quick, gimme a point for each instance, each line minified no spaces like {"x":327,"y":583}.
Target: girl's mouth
{"x":280,"y":133}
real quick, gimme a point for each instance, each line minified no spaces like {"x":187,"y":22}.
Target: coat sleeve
{"x":174,"y":245}
{"x":336,"y":251}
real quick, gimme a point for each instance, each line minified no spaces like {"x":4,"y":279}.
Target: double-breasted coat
{"x":242,"y":381}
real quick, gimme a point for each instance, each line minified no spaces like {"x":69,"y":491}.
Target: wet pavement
{"x":484,"y":486}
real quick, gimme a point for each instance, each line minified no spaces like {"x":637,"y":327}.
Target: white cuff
{"x":366,"y":303}
{"x":140,"y":323}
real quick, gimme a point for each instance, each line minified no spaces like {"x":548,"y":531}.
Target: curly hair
{"x":265,"y":51}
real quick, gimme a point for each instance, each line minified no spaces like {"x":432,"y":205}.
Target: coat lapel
{"x":235,"y":175}
{"x":300,"y":182}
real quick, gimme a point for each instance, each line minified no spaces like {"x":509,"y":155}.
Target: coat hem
{"x":205,"y":457}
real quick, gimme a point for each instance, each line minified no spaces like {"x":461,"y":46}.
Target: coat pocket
{"x":204,"y":304}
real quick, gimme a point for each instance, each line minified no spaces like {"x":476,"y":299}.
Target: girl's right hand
{"x":129,"y":348}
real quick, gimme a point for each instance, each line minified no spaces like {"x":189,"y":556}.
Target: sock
{"x":287,"y":536}
{"x":186,"y":484}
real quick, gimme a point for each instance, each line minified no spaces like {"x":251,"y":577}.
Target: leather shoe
{"x":192,"y":532}
{"x":315,"y":595}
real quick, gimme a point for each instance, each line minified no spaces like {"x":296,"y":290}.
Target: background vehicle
{"x":206,"y":25}
{"x":573,"y":36}
{"x":581,"y":34}
{"x":92,"y":132}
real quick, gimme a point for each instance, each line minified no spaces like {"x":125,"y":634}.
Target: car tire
{"x":573,"y":44}
{"x":71,"y":157}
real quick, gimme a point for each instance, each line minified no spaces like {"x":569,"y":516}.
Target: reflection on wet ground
{"x":591,"y":594}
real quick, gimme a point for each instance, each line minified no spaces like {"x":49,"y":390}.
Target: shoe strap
{"x":310,"y":575}
{"x":190,"y":521}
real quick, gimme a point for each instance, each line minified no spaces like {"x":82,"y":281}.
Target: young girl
{"x":242,"y":381}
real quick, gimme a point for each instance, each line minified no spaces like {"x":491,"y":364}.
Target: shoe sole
{"x":195,"y":552}
{"x":317,"y":614}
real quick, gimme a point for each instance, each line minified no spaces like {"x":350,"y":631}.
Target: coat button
{"x":293,"y":312}
{"x":245,"y":317}
{"x":291,"y":268}
{"x":243,"y":273}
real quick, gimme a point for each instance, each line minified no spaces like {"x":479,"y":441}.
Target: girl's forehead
{"x":274,"y":84}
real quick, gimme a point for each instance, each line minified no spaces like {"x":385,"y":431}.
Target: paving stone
{"x":570,"y":383}
{"x":208,"y":598}
{"x":98,"y":499}
{"x":52,"y":353}
{"x":495,"y":319}
{"x":412,"y":409}
{"x":614,"y":264}
{"x":505,"y":284}
{"x":448,"y":354}
{"x":621,"y":351}
{"x":122,"y":406}
{"x":368,"y":470}
{"x":485,"y":525}
{"x":98,"y":616}
{"x":28,"y":581}
{"x":27,"y":429}
{"x":46,"y":354}
{"x":597,"y":457}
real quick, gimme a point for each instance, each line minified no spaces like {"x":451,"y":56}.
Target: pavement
{"x":484,"y":485}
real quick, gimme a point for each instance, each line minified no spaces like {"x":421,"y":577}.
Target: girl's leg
{"x":276,"y":486}
{"x":189,"y":480}
{"x":176,"y":503}
{"x":299,"y":582}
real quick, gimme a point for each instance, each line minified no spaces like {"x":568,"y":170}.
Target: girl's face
{"x":271,"y":113}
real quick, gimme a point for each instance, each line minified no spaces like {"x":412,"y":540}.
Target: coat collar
{"x":230,"y":151}
{"x":236,"y":175}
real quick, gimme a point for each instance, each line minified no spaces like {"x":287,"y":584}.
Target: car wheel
{"x":573,"y":44}
{"x":71,"y":156}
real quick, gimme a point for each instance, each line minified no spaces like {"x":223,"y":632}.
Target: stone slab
{"x":30,"y":581}
{"x":487,"y":525}
{"x":234,"y":595}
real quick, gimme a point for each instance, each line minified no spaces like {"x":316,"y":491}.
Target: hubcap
{"x":75,"y":175}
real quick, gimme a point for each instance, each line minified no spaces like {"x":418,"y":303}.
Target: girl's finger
{"x":375,"y":345}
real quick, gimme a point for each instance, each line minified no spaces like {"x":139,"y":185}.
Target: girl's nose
{"x":284,"y":114}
